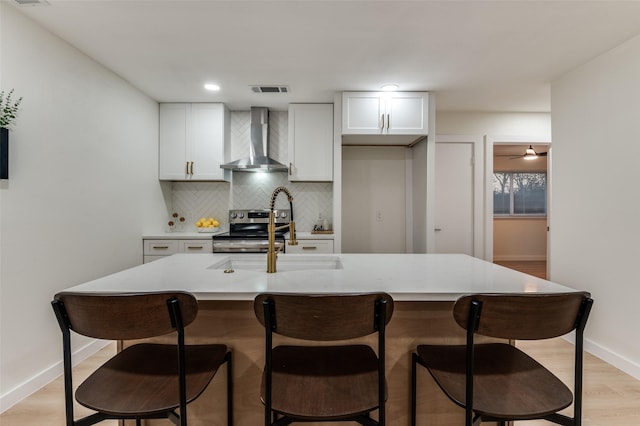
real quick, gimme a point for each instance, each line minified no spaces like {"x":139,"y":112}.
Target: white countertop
{"x":188,"y":235}
{"x":301,"y":235}
{"x":407,"y":277}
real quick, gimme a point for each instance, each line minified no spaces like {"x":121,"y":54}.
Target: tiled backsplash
{"x":253,"y":190}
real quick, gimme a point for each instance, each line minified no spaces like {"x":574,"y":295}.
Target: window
{"x":519,"y":193}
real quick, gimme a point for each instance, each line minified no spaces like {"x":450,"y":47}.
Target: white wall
{"x":494,"y":123}
{"x":82,"y":189}
{"x":521,"y":239}
{"x":373,"y":199}
{"x":594,"y":243}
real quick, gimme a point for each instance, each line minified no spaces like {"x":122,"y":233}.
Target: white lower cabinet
{"x":154,"y":249}
{"x":311,"y":246}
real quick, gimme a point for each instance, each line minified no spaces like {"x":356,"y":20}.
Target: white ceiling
{"x":501,"y":150}
{"x":475,"y":55}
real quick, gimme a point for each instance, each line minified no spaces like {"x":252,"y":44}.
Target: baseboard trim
{"x":618,"y":361}
{"x":519,"y":258}
{"x":20,"y":392}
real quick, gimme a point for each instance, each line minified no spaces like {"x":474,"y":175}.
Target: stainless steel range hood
{"x":259,"y":160}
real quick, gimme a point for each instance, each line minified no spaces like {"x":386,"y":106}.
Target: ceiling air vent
{"x":270,"y":89}
{"x":32,"y":2}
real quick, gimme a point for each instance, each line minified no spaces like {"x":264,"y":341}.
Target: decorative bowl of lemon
{"x":208,"y":225}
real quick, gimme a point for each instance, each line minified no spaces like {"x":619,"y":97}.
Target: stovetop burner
{"x":248,"y":235}
{"x":248,"y":231}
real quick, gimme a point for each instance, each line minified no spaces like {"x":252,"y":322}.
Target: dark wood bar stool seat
{"x":497,"y":381}
{"x":324,"y":382}
{"x":144,"y":380}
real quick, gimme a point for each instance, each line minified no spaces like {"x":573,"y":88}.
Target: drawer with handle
{"x":196,"y":246}
{"x":311,"y":246}
{"x":160,"y":247}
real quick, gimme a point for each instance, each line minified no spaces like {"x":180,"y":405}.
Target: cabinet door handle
{"x":186,"y":168}
{"x":382,"y":121}
{"x":388,"y":121}
{"x":309,"y":247}
{"x":290,"y":169}
{"x":159,"y":247}
{"x":191,"y":168}
{"x":195,"y":247}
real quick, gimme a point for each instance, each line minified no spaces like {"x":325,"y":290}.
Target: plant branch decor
{"x":8,"y":110}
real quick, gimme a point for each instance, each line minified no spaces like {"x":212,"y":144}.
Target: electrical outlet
{"x":378,"y":216}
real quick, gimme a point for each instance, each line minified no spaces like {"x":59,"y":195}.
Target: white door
{"x":454,"y":198}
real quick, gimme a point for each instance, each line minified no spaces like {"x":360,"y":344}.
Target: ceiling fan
{"x":530,"y":154}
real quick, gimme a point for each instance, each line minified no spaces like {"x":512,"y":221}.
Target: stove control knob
{"x":283,"y":214}
{"x":234,"y":215}
{"x":240,"y":215}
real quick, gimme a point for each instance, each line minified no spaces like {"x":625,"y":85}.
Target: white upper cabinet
{"x":385,"y":113}
{"x":311,"y":142}
{"x":192,"y":141}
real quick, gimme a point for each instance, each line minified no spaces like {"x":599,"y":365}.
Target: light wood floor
{"x":611,"y":397}
{"x":535,"y":268}
{"x":46,"y":406}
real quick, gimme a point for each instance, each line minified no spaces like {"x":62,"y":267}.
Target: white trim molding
{"x":618,"y":361}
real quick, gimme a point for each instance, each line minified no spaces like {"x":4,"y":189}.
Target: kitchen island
{"x":424,"y":287}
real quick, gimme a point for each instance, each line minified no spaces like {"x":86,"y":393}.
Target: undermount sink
{"x":285,"y":263}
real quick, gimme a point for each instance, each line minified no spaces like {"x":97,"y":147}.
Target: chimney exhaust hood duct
{"x":259,"y":160}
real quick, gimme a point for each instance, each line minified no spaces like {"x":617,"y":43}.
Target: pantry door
{"x":457,"y":183}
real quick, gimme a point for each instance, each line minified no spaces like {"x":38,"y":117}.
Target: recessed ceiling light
{"x":212,"y":87}
{"x":389,"y":87}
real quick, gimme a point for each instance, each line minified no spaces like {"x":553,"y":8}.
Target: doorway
{"x":519,"y":203}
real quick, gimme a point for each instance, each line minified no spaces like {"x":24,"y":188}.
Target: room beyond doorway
{"x":520,"y":207}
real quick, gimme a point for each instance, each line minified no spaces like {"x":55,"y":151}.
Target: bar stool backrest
{"x":522,"y":316}
{"x":323,"y":317}
{"x":125,"y":316}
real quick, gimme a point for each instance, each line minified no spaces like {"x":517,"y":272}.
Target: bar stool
{"x":145,"y":380}
{"x":317,"y":381}
{"x":497,"y":381}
